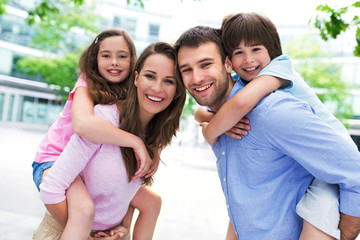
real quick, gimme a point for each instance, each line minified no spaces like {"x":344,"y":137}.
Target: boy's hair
{"x":252,"y":28}
{"x":196,"y":36}
{"x":101,"y":90}
{"x":163,"y":125}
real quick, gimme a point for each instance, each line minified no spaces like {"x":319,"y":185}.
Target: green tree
{"x":333,"y":21}
{"x":56,"y":33}
{"x":313,"y":64}
{"x":59,"y":72}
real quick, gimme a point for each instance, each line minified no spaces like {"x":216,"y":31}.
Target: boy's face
{"x":248,"y":61}
{"x":204,"y":75}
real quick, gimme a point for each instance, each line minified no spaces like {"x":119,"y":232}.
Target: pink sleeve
{"x":81,"y":82}
{"x":72,"y":161}
{"x":67,"y":167}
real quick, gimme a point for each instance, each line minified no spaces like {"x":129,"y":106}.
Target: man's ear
{"x":228,"y":65}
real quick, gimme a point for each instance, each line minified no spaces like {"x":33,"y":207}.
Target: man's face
{"x":205,"y":77}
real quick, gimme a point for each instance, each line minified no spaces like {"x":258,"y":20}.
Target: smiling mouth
{"x":251,"y":69}
{"x":203,"y":88}
{"x":114,"y":71}
{"x":155,"y":99}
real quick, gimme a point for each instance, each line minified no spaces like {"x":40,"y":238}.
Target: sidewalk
{"x":193,"y":203}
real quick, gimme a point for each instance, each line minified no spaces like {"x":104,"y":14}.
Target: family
{"x":288,"y":168}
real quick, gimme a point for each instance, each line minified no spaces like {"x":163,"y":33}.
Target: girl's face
{"x":114,"y":59}
{"x":248,"y":61}
{"x":156,"y":85}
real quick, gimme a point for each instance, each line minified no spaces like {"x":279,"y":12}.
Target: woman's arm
{"x":98,"y":130}
{"x":239,"y":105}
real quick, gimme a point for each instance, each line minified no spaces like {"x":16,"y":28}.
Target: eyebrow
{"x":121,"y":51}
{"x":200,"y":61}
{"x":153,"y":72}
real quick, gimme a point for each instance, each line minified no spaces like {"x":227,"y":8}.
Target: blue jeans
{"x":38,"y":169}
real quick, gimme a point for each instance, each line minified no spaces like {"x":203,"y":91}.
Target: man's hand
{"x":349,"y":227}
{"x":241,"y":128}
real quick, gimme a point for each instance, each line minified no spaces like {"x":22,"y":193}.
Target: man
{"x":264,"y":175}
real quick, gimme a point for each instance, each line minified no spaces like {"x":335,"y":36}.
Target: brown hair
{"x":163,"y":125}
{"x":103,"y":91}
{"x":252,"y":28}
{"x":196,"y":36}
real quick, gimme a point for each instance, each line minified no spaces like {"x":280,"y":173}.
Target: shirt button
{"x":223,"y":153}
{"x":224,"y":179}
{"x":227,"y":206}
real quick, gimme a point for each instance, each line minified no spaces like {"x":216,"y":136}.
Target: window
{"x":154,"y":31}
{"x":2,"y":99}
{"x":130,"y":26}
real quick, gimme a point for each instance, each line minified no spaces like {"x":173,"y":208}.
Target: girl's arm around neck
{"x":239,"y":105}
{"x":98,"y":130}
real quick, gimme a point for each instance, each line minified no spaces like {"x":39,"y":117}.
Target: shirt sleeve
{"x":317,"y":147}
{"x":279,"y":67}
{"x":77,"y":153}
{"x":81,"y":82}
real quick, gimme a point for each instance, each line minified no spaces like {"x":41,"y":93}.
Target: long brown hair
{"x":103,"y":91}
{"x":163,"y":125}
{"x":252,"y":28}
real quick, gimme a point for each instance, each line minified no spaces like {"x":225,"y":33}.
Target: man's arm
{"x":349,"y":227}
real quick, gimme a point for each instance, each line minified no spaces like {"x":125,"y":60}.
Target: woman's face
{"x":114,"y":59}
{"x":156,"y":85}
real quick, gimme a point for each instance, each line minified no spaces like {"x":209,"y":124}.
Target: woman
{"x":152,"y":111}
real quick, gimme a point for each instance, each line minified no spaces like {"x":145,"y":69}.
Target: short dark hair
{"x":252,"y":28}
{"x":196,"y":36}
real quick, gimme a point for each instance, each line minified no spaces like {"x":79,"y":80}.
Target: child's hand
{"x":143,"y":161}
{"x":241,"y":128}
{"x":154,"y":167}
{"x":209,"y":140}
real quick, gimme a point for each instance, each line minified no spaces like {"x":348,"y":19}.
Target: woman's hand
{"x":117,"y":233}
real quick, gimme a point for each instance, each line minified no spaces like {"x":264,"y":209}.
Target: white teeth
{"x":250,"y":69}
{"x":114,"y":71}
{"x":202,"y":88}
{"x":155,"y":99}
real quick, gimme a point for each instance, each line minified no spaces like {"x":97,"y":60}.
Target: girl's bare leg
{"x":310,"y":232}
{"x":149,"y":204}
{"x":231,"y":235}
{"x":81,"y":212}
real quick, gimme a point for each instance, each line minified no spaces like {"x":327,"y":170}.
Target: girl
{"x":253,"y":46}
{"x":106,"y":65}
{"x":152,"y":110}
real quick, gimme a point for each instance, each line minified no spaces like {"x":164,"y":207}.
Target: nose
{"x":114,"y":62}
{"x":197,"y":76}
{"x":249,"y":58}
{"x":156,"y":86}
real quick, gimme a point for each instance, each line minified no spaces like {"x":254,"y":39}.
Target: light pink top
{"x":59,"y":132}
{"x":103,"y":171}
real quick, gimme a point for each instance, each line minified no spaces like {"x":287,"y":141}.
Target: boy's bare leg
{"x":231,"y":235}
{"x":149,"y":204}
{"x":310,"y":232}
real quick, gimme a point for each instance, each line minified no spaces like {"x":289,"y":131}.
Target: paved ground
{"x":193,"y":204}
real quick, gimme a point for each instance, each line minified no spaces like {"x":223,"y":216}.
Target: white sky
{"x":281,"y":12}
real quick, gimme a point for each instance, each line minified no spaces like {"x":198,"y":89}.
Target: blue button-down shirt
{"x":264,"y":175}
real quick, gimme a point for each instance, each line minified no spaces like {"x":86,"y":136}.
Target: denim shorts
{"x":38,"y":169}
{"x":320,"y":207}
